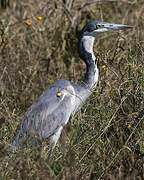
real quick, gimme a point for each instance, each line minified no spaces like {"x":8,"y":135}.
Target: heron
{"x":47,"y":116}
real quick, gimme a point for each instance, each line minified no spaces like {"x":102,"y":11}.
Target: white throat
{"x":88,"y":42}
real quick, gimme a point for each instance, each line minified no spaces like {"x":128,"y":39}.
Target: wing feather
{"x":47,"y":113}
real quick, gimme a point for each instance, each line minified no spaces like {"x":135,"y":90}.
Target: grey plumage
{"x":51,"y":111}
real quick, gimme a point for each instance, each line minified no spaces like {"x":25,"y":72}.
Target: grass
{"x":105,"y":140}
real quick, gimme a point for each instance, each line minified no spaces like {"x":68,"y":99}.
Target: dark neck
{"x":85,"y":49}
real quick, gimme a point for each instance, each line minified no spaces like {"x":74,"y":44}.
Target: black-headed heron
{"x":51,"y":111}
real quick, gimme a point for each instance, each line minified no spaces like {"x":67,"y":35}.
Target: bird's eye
{"x":99,"y":26}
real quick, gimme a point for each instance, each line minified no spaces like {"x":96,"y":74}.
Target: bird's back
{"x":50,"y":111}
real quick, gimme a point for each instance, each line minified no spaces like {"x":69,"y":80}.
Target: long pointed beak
{"x":117,"y":26}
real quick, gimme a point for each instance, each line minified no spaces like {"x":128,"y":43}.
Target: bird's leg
{"x":54,"y":138}
{"x":53,"y":141}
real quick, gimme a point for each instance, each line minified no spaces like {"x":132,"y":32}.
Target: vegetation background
{"x":105,"y":140}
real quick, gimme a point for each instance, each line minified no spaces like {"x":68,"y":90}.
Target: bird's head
{"x":88,"y":34}
{"x":95,"y":28}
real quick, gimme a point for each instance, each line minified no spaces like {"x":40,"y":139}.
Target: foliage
{"x":105,"y":140}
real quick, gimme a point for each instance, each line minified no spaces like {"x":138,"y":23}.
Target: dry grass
{"x":105,"y":140}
